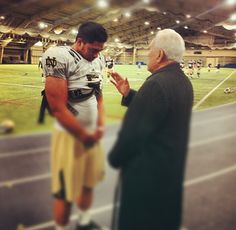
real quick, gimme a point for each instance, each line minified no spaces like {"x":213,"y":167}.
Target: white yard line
{"x":24,"y":180}
{"x":24,"y":152}
{"x":210,"y":176}
{"x":206,"y":96}
{"x":215,"y":107}
{"x":18,"y":136}
{"x":212,"y":120}
{"x":213,"y":139}
{"x":14,"y":84}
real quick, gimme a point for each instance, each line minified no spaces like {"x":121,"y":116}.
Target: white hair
{"x":171,"y":43}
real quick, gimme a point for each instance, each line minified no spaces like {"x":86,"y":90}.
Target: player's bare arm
{"x":101,"y":117}
{"x":56,"y":92}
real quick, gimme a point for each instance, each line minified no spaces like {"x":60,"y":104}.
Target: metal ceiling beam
{"x":40,"y":15}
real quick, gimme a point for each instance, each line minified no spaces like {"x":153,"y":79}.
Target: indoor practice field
{"x":167,"y":161}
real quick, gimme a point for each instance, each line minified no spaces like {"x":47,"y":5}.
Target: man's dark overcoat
{"x":151,"y":151}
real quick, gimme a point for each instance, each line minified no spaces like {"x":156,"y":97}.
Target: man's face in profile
{"x":90,"y":51}
{"x":153,"y":55}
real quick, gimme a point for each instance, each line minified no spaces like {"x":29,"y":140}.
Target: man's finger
{"x":113,"y":82}
{"x":116,"y":76}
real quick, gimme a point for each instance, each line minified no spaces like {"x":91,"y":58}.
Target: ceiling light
{"x":233,"y":17}
{"x":188,"y":16}
{"x":74,"y":31}
{"x":127,"y":14}
{"x":146,"y":1}
{"x":2,"y":17}
{"x":42,"y":25}
{"x":164,"y":13}
{"x":204,"y":31}
{"x":115,"y":20}
{"x":159,"y":28}
{"x":39,"y":43}
{"x":152,"y":32}
{"x":146,"y":23}
{"x":230,"y":2}
{"x":186,"y":27}
{"x":117,"y":39}
{"x":58,"y":30}
{"x":229,"y":27}
{"x":102,"y":3}
{"x":177,"y":21}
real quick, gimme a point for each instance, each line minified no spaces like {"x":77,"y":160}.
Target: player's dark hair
{"x":92,"y":32}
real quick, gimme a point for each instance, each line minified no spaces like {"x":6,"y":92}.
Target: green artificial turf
{"x":20,"y":87}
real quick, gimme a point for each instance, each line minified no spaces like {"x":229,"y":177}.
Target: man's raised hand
{"x":120,"y":83}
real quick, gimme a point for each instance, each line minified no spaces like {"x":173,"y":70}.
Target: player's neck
{"x":74,"y":47}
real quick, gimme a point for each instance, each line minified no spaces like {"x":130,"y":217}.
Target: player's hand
{"x":88,"y":139}
{"x":99,"y":132}
{"x":120,"y":83}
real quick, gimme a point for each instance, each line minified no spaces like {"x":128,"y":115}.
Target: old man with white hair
{"x":151,"y":147}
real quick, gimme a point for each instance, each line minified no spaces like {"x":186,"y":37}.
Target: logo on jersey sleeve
{"x":51,"y":62}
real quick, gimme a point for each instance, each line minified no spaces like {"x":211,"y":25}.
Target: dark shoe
{"x":91,"y":226}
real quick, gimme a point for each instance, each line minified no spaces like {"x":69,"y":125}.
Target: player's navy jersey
{"x":80,"y":74}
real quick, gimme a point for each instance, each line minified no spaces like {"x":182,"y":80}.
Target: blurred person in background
{"x":190,"y":71}
{"x":209,"y":67}
{"x":109,"y":67}
{"x":40,"y":68}
{"x":199,"y":65}
{"x":73,"y":91}
{"x":218,"y":68}
{"x":151,"y":147}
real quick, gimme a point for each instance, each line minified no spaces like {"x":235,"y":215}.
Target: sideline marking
{"x":210,"y":176}
{"x":215,"y":107}
{"x":206,"y":96}
{"x":24,"y":180}
{"x":213,"y":139}
{"x":24,"y":152}
{"x":213,"y":120}
{"x":14,"y":84}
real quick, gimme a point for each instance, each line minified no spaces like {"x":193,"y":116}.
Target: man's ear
{"x":79,"y":43}
{"x":161,"y":56}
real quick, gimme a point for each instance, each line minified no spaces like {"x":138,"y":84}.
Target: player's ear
{"x":80,"y":43}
